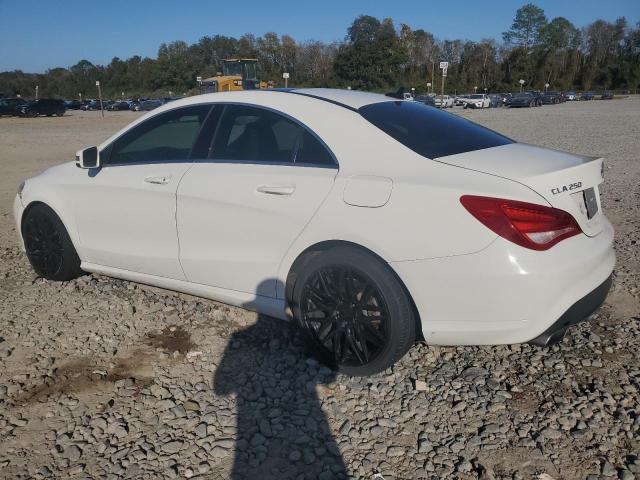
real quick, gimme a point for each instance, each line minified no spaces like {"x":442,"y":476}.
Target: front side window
{"x":165,"y":137}
{"x":247,"y":133}
{"x":429,"y":131}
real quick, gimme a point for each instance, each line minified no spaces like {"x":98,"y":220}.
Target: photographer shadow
{"x":282,"y":432}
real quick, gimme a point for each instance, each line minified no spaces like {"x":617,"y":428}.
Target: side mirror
{"x":88,"y":158}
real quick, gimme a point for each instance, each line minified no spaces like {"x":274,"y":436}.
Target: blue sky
{"x":40,"y":34}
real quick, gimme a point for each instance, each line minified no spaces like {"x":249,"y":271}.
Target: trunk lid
{"x":566,"y":181}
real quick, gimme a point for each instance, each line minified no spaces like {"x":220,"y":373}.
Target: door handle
{"x":158,"y":180}
{"x":276,"y":189}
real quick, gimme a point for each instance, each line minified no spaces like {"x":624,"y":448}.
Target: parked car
{"x":426,"y":99}
{"x":477,"y":100}
{"x":459,"y":100}
{"x":570,"y":96}
{"x":495,"y":100}
{"x":551,"y":98}
{"x":538,"y":97}
{"x":606,"y":95}
{"x":587,"y":96}
{"x":43,"y":106}
{"x":10,"y":106}
{"x":121,"y":105}
{"x":360,"y":243}
{"x":505,"y":97}
{"x":443,"y":101}
{"x":522,"y":99}
{"x":73,"y":104}
{"x":149,"y":105}
{"x":93,"y":105}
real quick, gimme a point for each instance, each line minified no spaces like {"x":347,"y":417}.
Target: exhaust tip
{"x":548,"y":339}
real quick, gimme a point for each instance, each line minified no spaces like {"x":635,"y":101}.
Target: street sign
{"x":521,"y":82}
{"x":285,"y":75}
{"x":444,"y":65}
{"x":198,"y":79}
{"x":444,"y":72}
{"x":97,"y":83}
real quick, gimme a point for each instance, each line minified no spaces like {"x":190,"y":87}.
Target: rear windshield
{"x":428,"y":131}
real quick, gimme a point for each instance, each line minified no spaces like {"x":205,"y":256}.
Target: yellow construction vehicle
{"x":237,"y":74}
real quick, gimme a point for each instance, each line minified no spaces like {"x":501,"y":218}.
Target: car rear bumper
{"x":579,"y":311}
{"x":506,"y":293}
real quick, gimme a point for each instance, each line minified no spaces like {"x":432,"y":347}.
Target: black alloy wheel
{"x":346,"y":314}
{"x":48,"y":246}
{"x":43,"y":244}
{"x":353,"y":311}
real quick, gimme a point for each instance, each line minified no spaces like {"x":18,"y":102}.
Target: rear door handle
{"x":158,"y":180}
{"x":276,"y":189}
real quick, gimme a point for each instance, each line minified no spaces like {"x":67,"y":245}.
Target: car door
{"x":126,"y":210}
{"x":241,"y":208}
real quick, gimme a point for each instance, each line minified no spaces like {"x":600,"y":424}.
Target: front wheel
{"x":354,"y":313}
{"x":48,"y":246}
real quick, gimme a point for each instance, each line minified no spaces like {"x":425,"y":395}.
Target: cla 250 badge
{"x":566,"y":188}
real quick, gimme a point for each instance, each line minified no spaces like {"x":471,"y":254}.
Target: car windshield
{"x":429,"y":131}
{"x":476,"y":96}
{"x":522,"y":94}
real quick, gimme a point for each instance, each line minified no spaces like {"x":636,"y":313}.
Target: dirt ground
{"x":100,"y":378}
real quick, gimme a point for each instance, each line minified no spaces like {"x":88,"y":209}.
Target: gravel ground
{"x":101,"y":378}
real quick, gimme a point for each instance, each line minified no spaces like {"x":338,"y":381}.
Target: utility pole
{"x":100,"y":97}
{"x":433,"y":67}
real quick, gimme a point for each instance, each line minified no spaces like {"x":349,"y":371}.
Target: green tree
{"x":526,"y":27}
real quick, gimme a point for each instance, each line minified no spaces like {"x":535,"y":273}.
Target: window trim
{"x":192,"y":159}
{"x":109,"y":148}
{"x":335,"y":164}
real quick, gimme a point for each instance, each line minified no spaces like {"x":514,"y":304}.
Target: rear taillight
{"x":527,"y":224}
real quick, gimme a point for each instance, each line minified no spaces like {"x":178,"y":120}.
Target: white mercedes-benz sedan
{"x":369,"y":221}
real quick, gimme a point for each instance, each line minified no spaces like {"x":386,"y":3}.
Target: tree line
{"x":375,"y":55}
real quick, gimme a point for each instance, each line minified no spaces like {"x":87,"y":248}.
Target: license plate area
{"x":590,"y":202}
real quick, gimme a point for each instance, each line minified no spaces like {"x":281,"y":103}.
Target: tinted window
{"x":310,"y":150}
{"x":165,"y":137}
{"x":260,"y":135}
{"x":430,"y":132}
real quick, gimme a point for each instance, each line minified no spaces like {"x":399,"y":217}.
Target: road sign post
{"x":285,"y":75}
{"x":521,"y":82}
{"x":443,"y":67}
{"x":546,"y":85}
{"x":100,"y":97}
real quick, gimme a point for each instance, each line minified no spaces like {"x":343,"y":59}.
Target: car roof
{"x":349,"y":98}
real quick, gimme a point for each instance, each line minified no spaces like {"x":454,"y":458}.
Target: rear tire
{"x":49,"y":248}
{"x":353,"y":311}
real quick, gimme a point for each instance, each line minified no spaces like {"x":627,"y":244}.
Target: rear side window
{"x":430,"y":132}
{"x":248,"y":133}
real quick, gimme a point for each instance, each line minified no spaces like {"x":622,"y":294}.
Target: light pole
{"x":80,"y":96}
{"x":429,"y":87}
{"x":100,"y":96}
{"x":413,"y":91}
{"x":546,"y":85}
{"x":475,"y":89}
{"x":521,"y":82}
{"x":37,"y":87}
